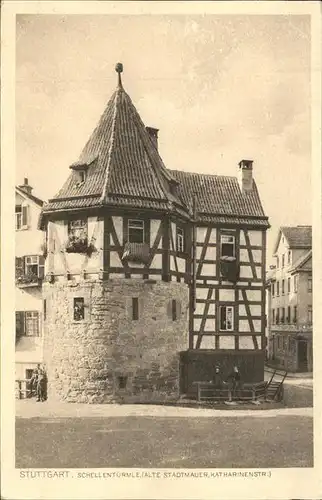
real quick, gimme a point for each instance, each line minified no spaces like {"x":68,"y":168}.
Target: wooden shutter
{"x":41,"y":267}
{"x":19,"y":266}
{"x":20,"y":324}
{"x":25,"y":210}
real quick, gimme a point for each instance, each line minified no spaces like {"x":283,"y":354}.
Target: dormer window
{"x":81,"y":176}
{"x":80,"y":171}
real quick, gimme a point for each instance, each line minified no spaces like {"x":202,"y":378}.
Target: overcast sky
{"x":219,"y":88}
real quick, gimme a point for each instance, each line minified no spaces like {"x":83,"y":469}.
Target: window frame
{"x":309,"y":284}
{"x":180,"y":239}
{"x":273,"y":289}
{"x":295,"y":283}
{"x":133,"y":227}
{"x":73,"y":229}
{"x":135,"y":309}
{"x":289,"y":257}
{"x":39,"y":262}
{"x":226,"y":307}
{"x":310,"y":314}
{"x":34,"y":319}
{"x":282,"y":315}
{"x":23,"y":216}
{"x":233,"y":244}
{"x":273,"y":316}
{"x":80,"y":299}
{"x":277,"y":289}
{"x":294,"y":314}
{"x":283,"y":260}
{"x":283,"y":287}
{"x":288,"y":285}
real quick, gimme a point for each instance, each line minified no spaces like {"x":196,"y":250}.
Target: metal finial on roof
{"x":119,"y":70}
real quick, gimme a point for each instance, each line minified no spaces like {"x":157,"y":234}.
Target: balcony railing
{"x":136,"y":252}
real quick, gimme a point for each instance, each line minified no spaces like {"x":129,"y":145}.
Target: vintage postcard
{"x":161,"y":250}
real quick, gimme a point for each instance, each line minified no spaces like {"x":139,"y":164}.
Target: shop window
{"x":79,"y":309}
{"x":135,"y":308}
{"x":226,"y":314}
{"x":180,"y":240}
{"x":227,"y":245}
{"x":135,"y":231}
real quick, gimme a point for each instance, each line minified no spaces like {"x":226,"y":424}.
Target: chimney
{"x":25,"y":186}
{"x":153,"y":133}
{"x":245,"y":175}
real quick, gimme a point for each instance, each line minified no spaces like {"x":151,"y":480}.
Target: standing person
{"x":234,"y":382}
{"x":34,"y":381}
{"x":218,"y":379}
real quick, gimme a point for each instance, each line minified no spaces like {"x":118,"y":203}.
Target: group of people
{"x":233,"y":382}
{"x":38,"y":383}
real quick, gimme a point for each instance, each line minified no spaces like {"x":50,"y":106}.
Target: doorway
{"x":302,"y":355}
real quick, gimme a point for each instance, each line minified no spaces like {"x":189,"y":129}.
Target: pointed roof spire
{"x":119,"y":70}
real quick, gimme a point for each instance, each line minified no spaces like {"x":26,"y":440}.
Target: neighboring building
{"x":290,"y":314}
{"x":152,"y":275}
{"x":29,"y":275}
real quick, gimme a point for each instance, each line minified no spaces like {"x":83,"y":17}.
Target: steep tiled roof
{"x":298,"y":236}
{"x":219,"y":195}
{"x":124,"y":168}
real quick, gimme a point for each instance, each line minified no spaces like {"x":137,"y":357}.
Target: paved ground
{"x":69,"y":436}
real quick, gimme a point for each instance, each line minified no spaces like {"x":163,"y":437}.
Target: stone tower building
{"x":152,"y":275}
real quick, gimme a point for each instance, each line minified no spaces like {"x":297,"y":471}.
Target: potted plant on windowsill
{"x":77,"y":244}
{"x":26,"y":278}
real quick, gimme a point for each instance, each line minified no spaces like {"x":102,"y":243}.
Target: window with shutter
{"x":32,"y":323}
{"x":25,"y":216}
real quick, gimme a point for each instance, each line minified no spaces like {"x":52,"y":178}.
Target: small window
{"x":135,"y":231}
{"x":282,"y":314}
{"x":21,"y":213}
{"x":289,"y":314}
{"x":122,"y":381}
{"x":77,"y":229}
{"x":34,"y":266}
{"x":135,"y":308}
{"x":289,"y":257}
{"x":81,"y":176}
{"x":32,"y":323}
{"x":277,"y":288}
{"x":288,"y":285}
{"x":309,"y":284}
{"x":283,"y":287}
{"x":277,"y":316}
{"x":273,"y":289}
{"x":79,"y":309}
{"x":295,"y":283}
{"x":174,"y":310}
{"x":310,"y":315}
{"x":283,"y":260}
{"x":227,"y":243}
{"x":180,"y":239}
{"x":226,"y":318}
{"x":295,"y":314}
{"x":273,"y":316}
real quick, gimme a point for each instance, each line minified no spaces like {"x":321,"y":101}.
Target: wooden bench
{"x":248,"y":392}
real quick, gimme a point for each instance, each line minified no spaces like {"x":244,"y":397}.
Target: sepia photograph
{"x":163,"y":243}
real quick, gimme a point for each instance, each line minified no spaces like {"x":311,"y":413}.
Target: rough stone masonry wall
{"x":85,"y":360}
